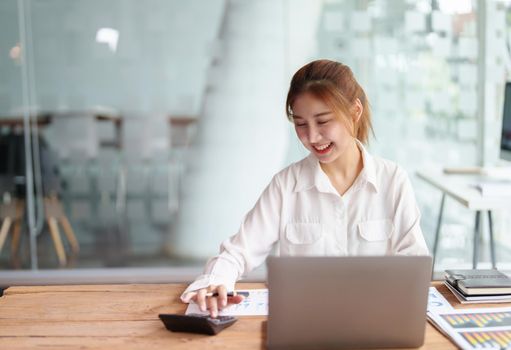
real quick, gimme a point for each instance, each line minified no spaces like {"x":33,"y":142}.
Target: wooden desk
{"x":126,"y":317}
{"x":42,"y":119}
{"x":46,"y":118}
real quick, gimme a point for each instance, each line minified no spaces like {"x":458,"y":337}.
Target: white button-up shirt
{"x":303,"y":213}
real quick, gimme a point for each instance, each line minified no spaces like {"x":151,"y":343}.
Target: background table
{"x":126,"y":317}
{"x":461,"y":187}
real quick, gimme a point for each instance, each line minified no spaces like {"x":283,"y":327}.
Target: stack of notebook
{"x":479,"y":286}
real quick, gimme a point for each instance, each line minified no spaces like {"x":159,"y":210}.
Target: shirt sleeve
{"x":249,"y":247}
{"x":409,"y":239}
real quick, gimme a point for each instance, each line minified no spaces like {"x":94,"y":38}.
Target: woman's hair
{"x":334,"y":84}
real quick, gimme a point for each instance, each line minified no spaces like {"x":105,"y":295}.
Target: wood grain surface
{"x":126,"y":317}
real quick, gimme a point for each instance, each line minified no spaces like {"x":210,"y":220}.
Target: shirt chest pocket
{"x":374,"y":237}
{"x":303,"y":239}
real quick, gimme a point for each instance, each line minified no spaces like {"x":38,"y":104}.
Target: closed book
{"x":479,"y":282}
{"x":478,"y":299}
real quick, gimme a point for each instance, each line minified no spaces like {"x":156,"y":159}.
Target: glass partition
{"x":419,"y":63}
{"x":159,"y":123}
{"x":17,"y":206}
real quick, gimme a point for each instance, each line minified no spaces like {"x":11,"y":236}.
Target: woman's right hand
{"x":213,"y":304}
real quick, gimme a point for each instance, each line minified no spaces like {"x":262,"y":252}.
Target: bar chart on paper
{"x":484,"y":328}
{"x":478,"y":320}
{"x":488,"y":339}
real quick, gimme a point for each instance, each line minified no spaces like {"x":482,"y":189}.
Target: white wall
{"x":244,"y":137}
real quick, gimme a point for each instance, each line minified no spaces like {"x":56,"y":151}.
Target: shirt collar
{"x":311,"y":174}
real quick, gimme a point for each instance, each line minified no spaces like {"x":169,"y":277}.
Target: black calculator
{"x":196,"y":323}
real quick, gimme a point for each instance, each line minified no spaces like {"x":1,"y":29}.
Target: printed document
{"x":256,"y":304}
{"x":482,"y":328}
{"x":437,"y":302}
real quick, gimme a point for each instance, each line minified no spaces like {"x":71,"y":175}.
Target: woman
{"x":340,"y":200}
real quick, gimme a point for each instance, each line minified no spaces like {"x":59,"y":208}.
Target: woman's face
{"x":319,"y":130}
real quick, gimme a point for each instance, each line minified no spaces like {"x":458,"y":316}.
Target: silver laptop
{"x":347,"y":302}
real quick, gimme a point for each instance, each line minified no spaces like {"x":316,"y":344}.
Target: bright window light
{"x":455,"y":7}
{"x":108,"y":36}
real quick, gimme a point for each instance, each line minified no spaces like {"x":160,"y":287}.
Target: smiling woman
{"x":321,"y":130}
{"x":340,"y":200}
{"x":333,"y":83}
{"x":325,"y":103}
